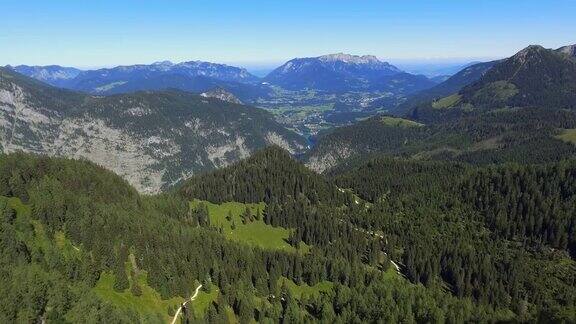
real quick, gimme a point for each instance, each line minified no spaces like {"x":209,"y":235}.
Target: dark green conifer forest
{"x":471,"y":243}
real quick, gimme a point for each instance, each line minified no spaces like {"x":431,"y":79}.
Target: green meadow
{"x":227,"y":217}
{"x":447,"y":102}
{"x":304,"y":290}
{"x":568,"y":135}
{"x":149,"y":305}
{"x":399,"y":122}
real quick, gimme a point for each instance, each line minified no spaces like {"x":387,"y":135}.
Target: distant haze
{"x":437,"y":67}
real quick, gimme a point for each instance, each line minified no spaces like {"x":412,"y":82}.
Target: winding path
{"x":374,"y":234}
{"x":380,"y":236}
{"x":184,"y":304}
{"x":371,"y":233}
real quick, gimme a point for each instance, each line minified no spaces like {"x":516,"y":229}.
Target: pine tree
{"x":121,"y":283}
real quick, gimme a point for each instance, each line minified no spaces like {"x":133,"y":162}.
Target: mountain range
{"x":332,"y":73}
{"x":193,"y":76}
{"x":434,"y":69}
{"x":152,"y":139}
{"x":533,"y":78}
{"x":121,"y":73}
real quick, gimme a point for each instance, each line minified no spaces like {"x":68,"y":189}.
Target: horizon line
{"x":269,"y":63}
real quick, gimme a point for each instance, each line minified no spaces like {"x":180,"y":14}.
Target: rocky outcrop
{"x":329,"y":158}
{"x":221,"y":94}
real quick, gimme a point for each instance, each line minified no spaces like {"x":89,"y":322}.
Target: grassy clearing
{"x":34,"y":234}
{"x":150,"y":306}
{"x":568,"y":135}
{"x":231,"y":316}
{"x":498,"y":91}
{"x":487,"y":144}
{"x":357,"y":198}
{"x":36,"y":239}
{"x":447,"y":102}
{"x":299,"y":291}
{"x":391,"y":273}
{"x":18,"y":206}
{"x":257,"y":233}
{"x":65,"y":245}
{"x":110,"y":86}
{"x":203,"y":300}
{"x":399,"y":122}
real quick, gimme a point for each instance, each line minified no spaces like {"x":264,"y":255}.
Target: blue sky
{"x":251,"y":33}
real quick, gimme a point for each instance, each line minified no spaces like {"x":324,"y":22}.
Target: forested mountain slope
{"x":502,"y":234}
{"x":152,"y":139}
{"x":267,"y":174}
{"x":534,"y":77}
{"x":79,"y":244}
{"x":452,"y":85}
{"x":521,"y":109}
{"x":530,"y":135}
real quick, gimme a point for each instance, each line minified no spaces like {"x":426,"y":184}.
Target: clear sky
{"x":105,"y":33}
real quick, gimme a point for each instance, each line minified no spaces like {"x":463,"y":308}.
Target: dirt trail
{"x":184,"y":304}
{"x":374,"y":234}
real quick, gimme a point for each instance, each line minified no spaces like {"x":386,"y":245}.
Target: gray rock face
{"x":152,"y":139}
{"x":348,"y":58}
{"x":570,"y":50}
{"x":221,"y":94}
{"x":330,"y":157}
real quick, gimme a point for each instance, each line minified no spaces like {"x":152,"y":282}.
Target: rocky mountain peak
{"x":569,"y":49}
{"x":528,"y":52}
{"x":163,"y":63}
{"x":348,"y":58}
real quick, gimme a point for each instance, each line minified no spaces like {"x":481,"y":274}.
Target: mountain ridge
{"x":194,"y":76}
{"x":52,"y":74}
{"x":533,"y":77}
{"x":568,"y":49}
{"x":349,"y":58}
{"x":453,"y":84}
{"x":151,"y":138}
{"x":340,"y":72}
